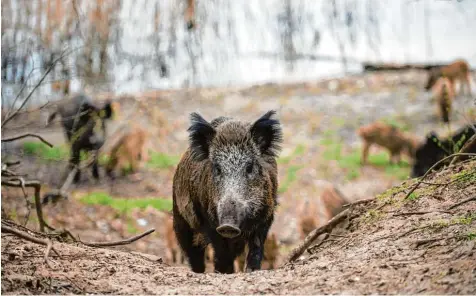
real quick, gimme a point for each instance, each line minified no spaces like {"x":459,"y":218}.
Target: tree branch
{"x":28,"y":135}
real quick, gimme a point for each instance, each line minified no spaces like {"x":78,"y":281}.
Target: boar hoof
{"x":228,"y":231}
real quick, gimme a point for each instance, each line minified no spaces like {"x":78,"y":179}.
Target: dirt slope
{"x":387,"y":248}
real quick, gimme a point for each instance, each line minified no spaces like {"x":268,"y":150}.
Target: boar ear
{"x":201,"y":134}
{"x":107,"y":111}
{"x":267,"y":134}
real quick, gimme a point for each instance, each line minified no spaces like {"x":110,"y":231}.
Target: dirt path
{"x":381,"y":250}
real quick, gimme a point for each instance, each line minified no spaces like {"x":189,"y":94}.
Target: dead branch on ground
{"x":432,"y":167}
{"x":120,"y":242}
{"x":420,"y":213}
{"x":462,"y":202}
{"x":328,"y":227}
{"x":46,"y":242}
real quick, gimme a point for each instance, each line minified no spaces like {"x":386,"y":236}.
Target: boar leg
{"x":95,"y":167}
{"x":195,"y":254}
{"x":74,"y":162}
{"x":255,"y":252}
{"x":365,"y":152}
{"x":225,"y":252}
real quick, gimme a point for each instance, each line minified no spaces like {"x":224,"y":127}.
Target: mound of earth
{"x":424,"y":243}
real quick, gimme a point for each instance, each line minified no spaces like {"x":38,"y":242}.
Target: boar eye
{"x":217,"y":169}
{"x":249,"y":168}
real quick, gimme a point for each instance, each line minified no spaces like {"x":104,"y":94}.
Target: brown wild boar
{"x":331,"y":202}
{"x":271,"y":253}
{"x":173,"y":253}
{"x":130,"y":149}
{"x":389,"y":137}
{"x":457,"y":71}
{"x":225,"y":188}
{"x":443,"y":91}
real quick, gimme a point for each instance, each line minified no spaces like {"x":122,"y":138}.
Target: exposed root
{"x":26,"y":236}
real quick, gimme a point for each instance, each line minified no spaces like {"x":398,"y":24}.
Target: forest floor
{"x":319,"y":121}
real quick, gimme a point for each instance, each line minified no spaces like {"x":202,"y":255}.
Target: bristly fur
{"x":267,"y":134}
{"x":200,"y":135}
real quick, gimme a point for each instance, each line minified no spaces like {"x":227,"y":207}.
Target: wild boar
{"x":225,"y":188}
{"x":443,"y":91}
{"x":387,"y":136}
{"x":130,"y":149}
{"x":331,"y":202}
{"x":458,"y":70}
{"x":435,"y":149}
{"x":84,"y":124}
{"x":173,"y":253}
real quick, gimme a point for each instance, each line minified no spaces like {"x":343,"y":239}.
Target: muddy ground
{"x":320,"y":145}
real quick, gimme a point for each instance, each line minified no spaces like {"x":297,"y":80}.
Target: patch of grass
{"x":414,"y":196}
{"x":467,"y":176}
{"x":126,"y":204}
{"x":162,"y":161}
{"x":390,"y":192}
{"x":44,"y":152}
{"x":372,"y":216}
{"x":398,"y":171}
{"x":290,"y":178}
{"x":470,"y":236}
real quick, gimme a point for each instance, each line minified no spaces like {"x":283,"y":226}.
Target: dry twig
{"x":462,"y":202}
{"x":313,"y":235}
{"x":120,"y":242}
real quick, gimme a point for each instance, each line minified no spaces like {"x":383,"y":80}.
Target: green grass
{"x":159,"y":160}
{"x":467,"y":176}
{"x":126,"y":204}
{"x":44,"y":152}
{"x":414,"y":196}
{"x":290,"y":178}
{"x":351,"y":162}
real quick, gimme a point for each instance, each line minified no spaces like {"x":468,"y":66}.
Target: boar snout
{"x":231,"y":215}
{"x":228,"y":230}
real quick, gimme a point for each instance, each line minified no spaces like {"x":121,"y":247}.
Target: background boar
{"x":435,"y":149}
{"x":389,"y":137}
{"x":458,"y":70}
{"x":271,"y":253}
{"x":173,"y":254}
{"x":331,"y":202}
{"x":225,"y":188}
{"x":84,"y":124}
{"x":443,"y":91}
{"x":130,"y":149}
